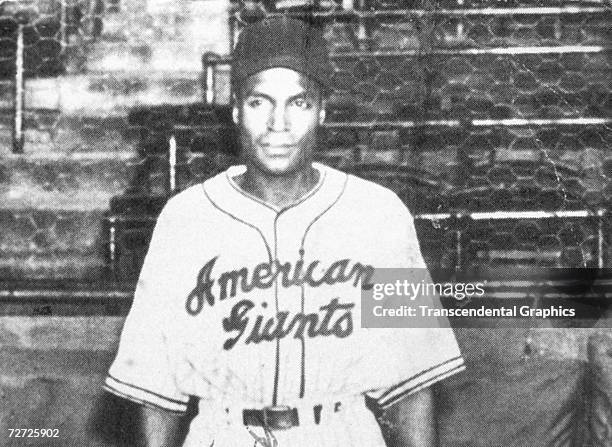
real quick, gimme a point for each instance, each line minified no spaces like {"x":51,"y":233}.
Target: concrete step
{"x":107,"y":93}
{"x":28,"y":340}
{"x":64,"y":182}
{"x":52,"y":243}
{"x":58,"y":265}
{"x":50,"y":232}
{"x":48,"y":133}
{"x":169,"y":56}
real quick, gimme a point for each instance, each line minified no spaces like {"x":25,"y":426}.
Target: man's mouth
{"x":277,"y":145}
{"x":277,"y":149}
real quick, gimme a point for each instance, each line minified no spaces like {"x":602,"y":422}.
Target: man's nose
{"x":278,"y":121}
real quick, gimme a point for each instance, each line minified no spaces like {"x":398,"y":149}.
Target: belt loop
{"x":317,"y":413}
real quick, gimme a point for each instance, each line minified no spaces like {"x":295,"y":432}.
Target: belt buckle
{"x":278,"y":423}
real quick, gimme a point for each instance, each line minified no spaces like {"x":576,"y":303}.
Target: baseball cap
{"x":281,"y":41}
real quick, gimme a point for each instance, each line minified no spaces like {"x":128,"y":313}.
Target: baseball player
{"x":249,"y":297}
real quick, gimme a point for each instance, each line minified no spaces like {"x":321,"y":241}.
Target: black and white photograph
{"x":304,"y":223}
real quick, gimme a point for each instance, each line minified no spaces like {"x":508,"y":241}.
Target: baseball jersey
{"x":244,"y":305}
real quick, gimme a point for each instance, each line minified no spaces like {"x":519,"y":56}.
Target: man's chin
{"x":279,"y":167}
{"x":279,"y":172}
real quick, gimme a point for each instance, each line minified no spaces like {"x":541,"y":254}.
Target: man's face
{"x":278,"y":112}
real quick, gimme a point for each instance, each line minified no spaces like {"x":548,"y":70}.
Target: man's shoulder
{"x":369,"y":193}
{"x":185,"y":199}
{"x":192,"y":197}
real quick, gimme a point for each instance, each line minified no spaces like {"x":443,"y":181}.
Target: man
{"x":249,"y":297}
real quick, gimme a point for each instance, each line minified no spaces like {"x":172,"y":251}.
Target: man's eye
{"x":255,"y":102}
{"x":301,"y":103}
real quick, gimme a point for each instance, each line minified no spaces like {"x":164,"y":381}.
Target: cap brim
{"x":311,"y":69}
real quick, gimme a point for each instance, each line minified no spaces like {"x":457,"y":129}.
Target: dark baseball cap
{"x":281,"y":41}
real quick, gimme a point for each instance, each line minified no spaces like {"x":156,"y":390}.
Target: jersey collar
{"x":234,"y":171}
{"x":228,"y":197}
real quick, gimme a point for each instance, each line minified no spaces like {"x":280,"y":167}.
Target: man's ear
{"x":235,"y":113}
{"x":322,"y":113}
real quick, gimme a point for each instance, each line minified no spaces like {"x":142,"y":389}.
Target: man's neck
{"x":280,"y":191}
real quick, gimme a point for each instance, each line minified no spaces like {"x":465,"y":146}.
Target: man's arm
{"x":410,"y":422}
{"x":159,"y":428}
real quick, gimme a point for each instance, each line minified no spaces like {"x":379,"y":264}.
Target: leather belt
{"x":275,"y":417}
{"x":281,"y":417}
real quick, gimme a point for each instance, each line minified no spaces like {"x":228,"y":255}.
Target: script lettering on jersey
{"x":332,"y":319}
{"x":264,"y":276}
{"x":336,"y":321}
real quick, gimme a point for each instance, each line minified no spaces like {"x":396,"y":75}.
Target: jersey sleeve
{"x":423,"y":355}
{"x":143,"y":370}
{"x":429,"y":356}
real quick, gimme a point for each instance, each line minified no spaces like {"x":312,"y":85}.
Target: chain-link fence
{"x":492,"y":122}
{"x":490,"y":119}
{"x":41,"y":39}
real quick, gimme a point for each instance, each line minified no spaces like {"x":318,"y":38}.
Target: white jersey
{"x":242,"y":305}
